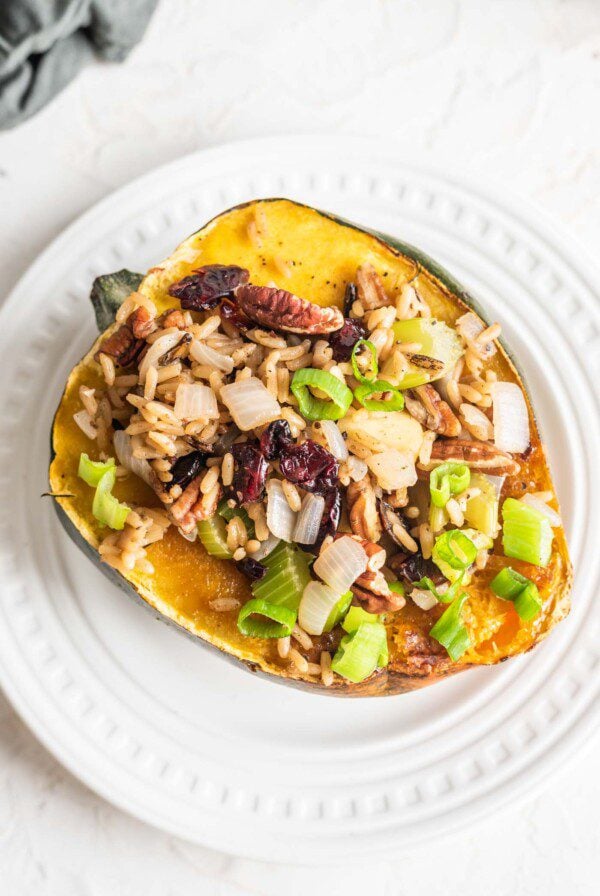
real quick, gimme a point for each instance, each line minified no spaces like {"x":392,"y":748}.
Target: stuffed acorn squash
{"x":300,"y":443}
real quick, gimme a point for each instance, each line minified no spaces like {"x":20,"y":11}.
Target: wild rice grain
{"x":108,"y":368}
{"x":224,"y":604}
{"x":209,"y":480}
{"x":283,"y":647}
{"x":227,"y":469}
{"x":326,"y":673}
{"x":298,"y":660}
{"x":302,"y":638}
{"x":150,"y":383}
{"x":292,"y":495}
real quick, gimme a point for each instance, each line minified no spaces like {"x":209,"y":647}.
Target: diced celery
{"x":482,"y":510}
{"x":287,"y":576}
{"x":213,"y":535}
{"x":437,"y":340}
{"x":339,"y":611}
{"x":526,"y":533}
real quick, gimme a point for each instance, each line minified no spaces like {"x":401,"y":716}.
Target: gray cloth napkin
{"x":44,"y":43}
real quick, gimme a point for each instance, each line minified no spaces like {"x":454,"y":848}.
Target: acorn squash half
{"x":323,"y":253}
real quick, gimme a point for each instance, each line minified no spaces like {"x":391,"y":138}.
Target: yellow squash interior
{"x":323,"y":255}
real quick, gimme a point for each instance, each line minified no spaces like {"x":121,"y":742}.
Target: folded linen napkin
{"x":44,"y":43}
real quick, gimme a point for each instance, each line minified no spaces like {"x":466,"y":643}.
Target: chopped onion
{"x":549,"y":512}
{"x":189,"y":536}
{"x":309,"y":519}
{"x":156,"y":351}
{"x":267,"y":547}
{"x":124,"y":451}
{"x":250,"y":403}
{"x":204,"y":354}
{"x":340,"y":564}
{"x":85,"y":424}
{"x":469,"y":326}
{"x":316,"y":604}
{"x":336,"y":443}
{"x":281,"y":519}
{"x":497,"y":482}
{"x":423,"y":598}
{"x":393,"y":469}
{"x":193,"y":401}
{"x":511,"y":418}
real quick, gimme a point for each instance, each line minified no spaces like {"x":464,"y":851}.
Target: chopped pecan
{"x":476,"y":455}
{"x":185,"y":501}
{"x":362,"y":510}
{"x":279,"y":309}
{"x":373,"y":592}
{"x":432,"y":411}
{"x":173,"y":318}
{"x":122,"y":346}
{"x":141,"y":322}
{"x":370,"y":288}
{"x":190,"y":508}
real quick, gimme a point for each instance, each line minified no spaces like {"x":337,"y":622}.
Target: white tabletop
{"x":508,"y":91}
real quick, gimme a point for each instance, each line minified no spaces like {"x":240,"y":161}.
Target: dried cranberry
{"x":414,"y":567}
{"x":343,"y":341}
{"x":186,"y":468}
{"x":252,"y":568}
{"x":350,"y":297}
{"x":310,"y":466}
{"x":229,"y":311}
{"x":250,"y":472}
{"x":275,"y":438}
{"x":331,"y":516}
{"x":208,"y":285}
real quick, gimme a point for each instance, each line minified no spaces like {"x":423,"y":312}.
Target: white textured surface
{"x":463,"y":87}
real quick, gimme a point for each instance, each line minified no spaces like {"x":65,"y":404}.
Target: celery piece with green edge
{"x":105,"y":507}
{"x":317,"y":408}
{"x":356,"y":616}
{"x":445,"y":597}
{"x":282,"y":587}
{"x":228,"y":513}
{"x":526,"y":533}
{"x":361,"y":652}
{"x":450,"y":631}
{"x":92,"y":471}
{"x":481,"y":511}
{"x":511,"y":585}
{"x":455,"y":551}
{"x":213,"y":535}
{"x":436,"y":339}
{"x":339,"y":611}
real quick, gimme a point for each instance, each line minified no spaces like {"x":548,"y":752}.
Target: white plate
{"x":184,"y":740}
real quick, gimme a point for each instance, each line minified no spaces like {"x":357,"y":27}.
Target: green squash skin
{"x":382,"y":683}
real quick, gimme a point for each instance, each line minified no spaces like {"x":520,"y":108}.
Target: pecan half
{"x":476,"y":455}
{"x":370,"y":288}
{"x":279,"y":309}
{"x":122,"y":346}
{"x":362,"y":510}
{"x":432,"y":411}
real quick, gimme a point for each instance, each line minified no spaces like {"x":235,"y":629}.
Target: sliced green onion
{"x":213,"y":535}
{"x":397,"y":588}
{"x":394,"y":403}
{"x":107,"y":510}
{"x":526,"y":533}
{"x":454,"y":549}
{"x":262,"y":619}
{"x":358,"y":374}
{"x":339,"y":611}
{"x":445,"y":597}
{"x":448,"y":479}
{"x":316,"y":408}
{"x":361,"y":652}
{"x":450,"y":631}
{"x":92,"y":471}
{"x":511,"y":585}
{"x":356,"y":617}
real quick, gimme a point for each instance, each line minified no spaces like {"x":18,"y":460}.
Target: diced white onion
{"x":189,"y":536}
{"x":393,"y":469}
{"x":317,"y":602}
{"x":340,"y":564}
{"x":281,"y":519}
{"x":469,"y":327}
{"x":85,"y":424}
{"x":139,"y":466}
{"x":157,"y":350}
{"x":268,"y":545}
{"x":309,"y":519}
{"x":511,"y":418}
{"x":335,"y":440}
{"x":193,"y":401}
{"x":423,"y":598}
{"x":250,"y":403}
{"x":204,"y":354}
{"x":551,"y":515}
{"x":497,"y":482}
